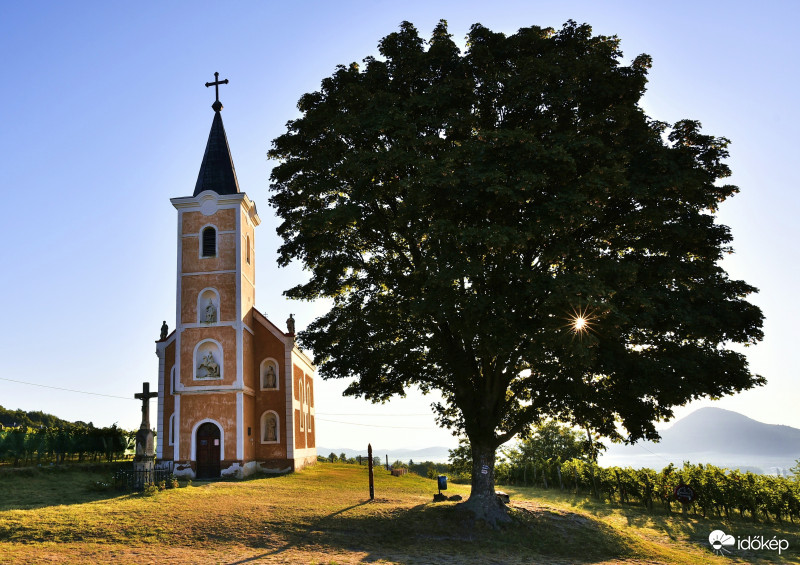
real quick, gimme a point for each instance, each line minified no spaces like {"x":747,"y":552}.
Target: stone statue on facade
{"x":211,"y":313}
{"x":211,"y":367}
{"x":164,"y":330}
{"x":290,"y":324}
{"x":269,"y":377}
{"x":272,"y":429}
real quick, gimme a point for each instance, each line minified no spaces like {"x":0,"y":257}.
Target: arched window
{"x":270,"y":427}
{"x":308,"y":407}
{"x":247,"y":249}
{"x":209,"y":242}
{"x":302,"y":404}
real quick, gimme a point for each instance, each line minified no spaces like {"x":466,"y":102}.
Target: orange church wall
{"x":191,"y":262}
{"x":247,"y":230}
{"x":225,"y":220}
{"x":218,"y":407}
{"x":311,"y":431}
{"x":250,"y":371}
{"x":265,"y":344}
{"x":299,"y":434}
{"x":226,"y":336}
{"x":169,"y":402}
{"x":191,"y":286}
{"x":311,"y":434}
{"x":248,"y":423}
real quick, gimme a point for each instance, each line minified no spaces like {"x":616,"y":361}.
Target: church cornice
{"x":208,"y":202}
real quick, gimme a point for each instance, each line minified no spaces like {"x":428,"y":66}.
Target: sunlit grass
{"x":323,"y":515}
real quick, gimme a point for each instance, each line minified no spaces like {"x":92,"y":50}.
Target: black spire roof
{"x":216,"y":171}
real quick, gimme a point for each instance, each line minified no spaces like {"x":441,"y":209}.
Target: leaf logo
{"x":718,"y":539}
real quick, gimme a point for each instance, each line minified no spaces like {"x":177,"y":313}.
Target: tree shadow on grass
{"x":447,"y":533}
{"x":55,"y":487}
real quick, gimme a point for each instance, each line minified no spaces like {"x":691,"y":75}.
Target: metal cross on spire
{"x":217,"y":105}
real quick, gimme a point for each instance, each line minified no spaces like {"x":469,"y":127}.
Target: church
{"x":235,"y":394}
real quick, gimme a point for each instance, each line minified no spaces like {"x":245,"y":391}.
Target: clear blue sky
{"x":105,"y":118}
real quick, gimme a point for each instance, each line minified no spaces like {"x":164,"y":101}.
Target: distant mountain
{"x":436,"y":454}
{"x":716,"y":436}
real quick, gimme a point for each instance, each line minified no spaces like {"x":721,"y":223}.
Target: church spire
{"x":216,"y":171}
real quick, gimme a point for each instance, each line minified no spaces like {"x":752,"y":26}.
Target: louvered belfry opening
{"x":209,"y":242}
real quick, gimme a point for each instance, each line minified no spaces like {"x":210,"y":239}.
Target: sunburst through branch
{"x":581,"y":320}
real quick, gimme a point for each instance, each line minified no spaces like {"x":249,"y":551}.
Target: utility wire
{"x":379,"y":415}
{"x":374,"y":425}
{"x":68,"y":389}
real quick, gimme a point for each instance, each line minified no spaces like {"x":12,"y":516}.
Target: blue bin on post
{"x":442,"y":481}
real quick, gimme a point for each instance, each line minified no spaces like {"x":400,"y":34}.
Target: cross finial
{"x":217,"y":105}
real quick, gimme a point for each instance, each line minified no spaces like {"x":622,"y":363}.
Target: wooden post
{"x":371,"y":478}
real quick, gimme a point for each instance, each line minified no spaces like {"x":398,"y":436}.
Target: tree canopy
{"x":508,"y":227}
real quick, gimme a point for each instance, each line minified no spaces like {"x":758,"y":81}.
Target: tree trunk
{"x":482,"y":500}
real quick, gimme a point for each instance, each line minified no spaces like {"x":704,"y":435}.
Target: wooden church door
{"x":208,"y":445}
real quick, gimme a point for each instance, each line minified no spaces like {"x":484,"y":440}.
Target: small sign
{"x":485,"y":469}
{"x":684,"y":494}
{"x":216,"y":442}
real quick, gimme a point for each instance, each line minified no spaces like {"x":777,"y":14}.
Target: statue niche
{"x":208,"y":357}
{"x":208,"y":307}
{"x":269,"y":375}
{"x":270,"y":431}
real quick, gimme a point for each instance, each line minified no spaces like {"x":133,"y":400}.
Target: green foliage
{"x":552,"y":442}
{"x":33,"y":419}
{"x":795,"y":471}
{"x":460,"y":460}
{"x":461,"y":209}
{"x":719,"y":492}
{"x":24,"y":446}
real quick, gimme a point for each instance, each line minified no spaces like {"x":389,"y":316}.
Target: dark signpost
{"x":685,"y":495}
{"x":371,"y":478}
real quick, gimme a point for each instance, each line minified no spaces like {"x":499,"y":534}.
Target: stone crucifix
{"x":145,"y":397}
{"x":144,"y":437}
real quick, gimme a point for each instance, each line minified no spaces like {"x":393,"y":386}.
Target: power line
{"x":374,"y":425}
{"x":379,"y":415}
{"x":68,"y":389}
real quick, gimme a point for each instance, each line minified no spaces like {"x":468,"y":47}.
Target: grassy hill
{"x":323,"y":515}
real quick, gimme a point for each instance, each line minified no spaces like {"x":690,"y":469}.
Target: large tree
{"x":506,"y":226}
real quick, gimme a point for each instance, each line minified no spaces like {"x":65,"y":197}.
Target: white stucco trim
{"x":178,"y":321}
{"x":221,"y":438}
{"x":289,"y":368}
{"x":239,"y":321}
{"x":219,"y":232}
{"x":161,"y":353}
{"x":198,"y":273}
{"x":176,"y":449}
{"x":239,"y":426}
